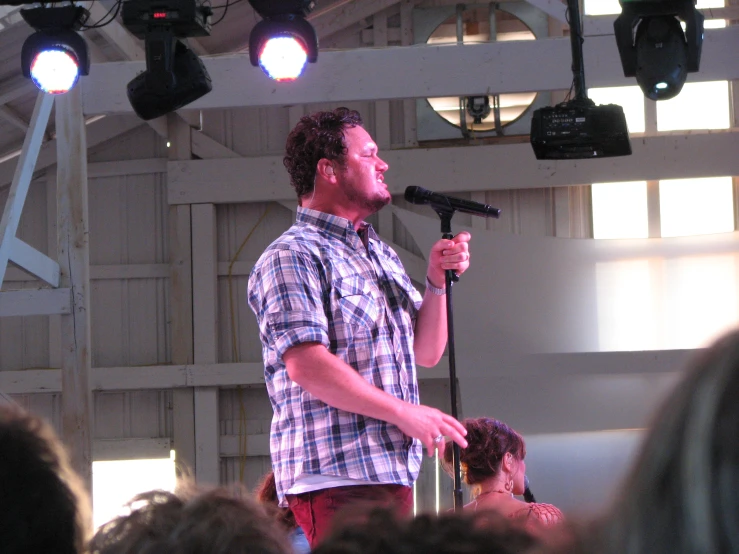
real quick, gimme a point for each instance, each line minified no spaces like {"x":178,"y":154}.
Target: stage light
{"x":653,"y":46}
{"x":174,"y":75}
{"x":55,"y":55}
{"x":283,"y":41}
{"x":478,"y":108}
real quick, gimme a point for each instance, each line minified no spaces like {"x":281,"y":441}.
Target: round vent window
{"x":474,"y":26}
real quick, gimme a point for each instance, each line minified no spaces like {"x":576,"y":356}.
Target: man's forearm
{"x":339,"y":385}
{"x":430,"y":332}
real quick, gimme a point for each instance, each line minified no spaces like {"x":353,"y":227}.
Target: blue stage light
{"x":55,"y":55}
{"x":283,"y":41}
{"x":283,"y":58}
{"x":54,"y":71}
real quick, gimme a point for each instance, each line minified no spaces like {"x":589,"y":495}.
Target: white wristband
{"x":435,"y":290}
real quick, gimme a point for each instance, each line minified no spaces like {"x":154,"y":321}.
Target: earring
{"x":509,"y":486}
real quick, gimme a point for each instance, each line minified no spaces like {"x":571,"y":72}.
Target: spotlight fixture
{"x":478,"y":108}
{"x":283,"y":41}
{"x":174,"y":75}
{"x":653,"y":46}
{"x":578,"y":129}
{"x":55,"y":55}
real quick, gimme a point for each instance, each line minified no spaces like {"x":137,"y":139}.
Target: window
{"x":696,"y":206}
{"x":698,"y":106}
{"x":606,"y":7}
{"x":620,"y":210}
{"x":116,"y":482}
{"x":631,"y":99}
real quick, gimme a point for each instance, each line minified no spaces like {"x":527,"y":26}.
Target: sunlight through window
{"x":631,"y":99}
{"x":626,"y":310}
{"x":609,"y":7}
{"x":620,"y":210}
{"x":602,"y":7}
{"x":114,"y":483}
{"x":696,"y":206}
{"x":698,"y":106}
{"x":700,"y":299}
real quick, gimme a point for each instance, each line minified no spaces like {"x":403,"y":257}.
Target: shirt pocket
{"x":358,"y":308}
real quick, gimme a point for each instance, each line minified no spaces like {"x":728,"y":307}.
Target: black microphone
{"x":528,"y":496}
{"x":418,"y":195}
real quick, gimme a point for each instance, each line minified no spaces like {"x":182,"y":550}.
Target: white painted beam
{"x":74,"y":260}
{"x":411,"y":72}
{"x":32,"y":381}
{"x":27,"y":302}
{"x":489,"y":167}
{"x":340,"y":15}
{"x":10,"y":116}
{"x":97,"y":133}
{"x":553,"y":8}
{"x":131,"y":449}
{"x":22,"y":174}
{"x":35,"y":262}
{"x":107,"y":272}
{"x":13,"y":89}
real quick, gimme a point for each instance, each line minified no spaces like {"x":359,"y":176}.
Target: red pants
{"x":314,"y":511}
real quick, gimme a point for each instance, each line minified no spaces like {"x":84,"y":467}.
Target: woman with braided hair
{"x":493,"y":465}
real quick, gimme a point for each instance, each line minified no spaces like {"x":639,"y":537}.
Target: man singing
{"x":342,"y":329}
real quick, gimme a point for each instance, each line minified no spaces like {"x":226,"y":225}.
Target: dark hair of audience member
{"x":488,"y":441}
{"x":43,"y":504}
{"x":379,"y":531}
{"x":192,"y":521}
{"x":682,"y":494}
{"x":266,"y":493}
{"x":316,"y":136}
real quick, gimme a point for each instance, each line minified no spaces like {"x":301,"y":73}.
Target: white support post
{"x":22,"y":179}
{"x":409,"y":106}
{"x":653,"y":210}
{"x":74,"y":256}
{"x":55,"y":328}
{"x":382,"y":120}
{"x":180,"y":305}
{"x":205,"y":339}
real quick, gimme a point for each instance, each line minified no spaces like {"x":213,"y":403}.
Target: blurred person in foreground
{"x":266,"y":493}
{"x":493,"y":465}
{"x":378,"y":531}
{"x":682,"y":493}
{"x":44,"y":506}
{"x":192,"y":521}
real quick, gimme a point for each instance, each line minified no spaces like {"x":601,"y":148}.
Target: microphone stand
{"x":446,"y":214}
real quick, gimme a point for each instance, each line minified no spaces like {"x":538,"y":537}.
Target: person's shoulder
{"x":548,"y":514}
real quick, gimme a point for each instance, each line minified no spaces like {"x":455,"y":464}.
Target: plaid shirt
{"x":318,"y":283}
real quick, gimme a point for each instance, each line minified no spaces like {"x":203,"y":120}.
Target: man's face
{"x":362,"y":175}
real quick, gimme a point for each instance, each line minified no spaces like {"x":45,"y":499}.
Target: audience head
{"x":266,"y":494}
{"x":192,"y":521}
{"x":317,"y":136}
{"x":43,"y":503}
{"x":492,"y":448}
{"x":380,"y":532}
{"x":682,"y":494}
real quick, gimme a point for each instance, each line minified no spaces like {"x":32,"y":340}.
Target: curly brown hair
{"x":317,"y":136}
{"x":488,"y":440}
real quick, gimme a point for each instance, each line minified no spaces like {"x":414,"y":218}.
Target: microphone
{"x":418,"y":195}
{"x":528,"y":496}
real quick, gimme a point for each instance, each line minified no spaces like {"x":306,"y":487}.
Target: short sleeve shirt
{"x":320,"y":282}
